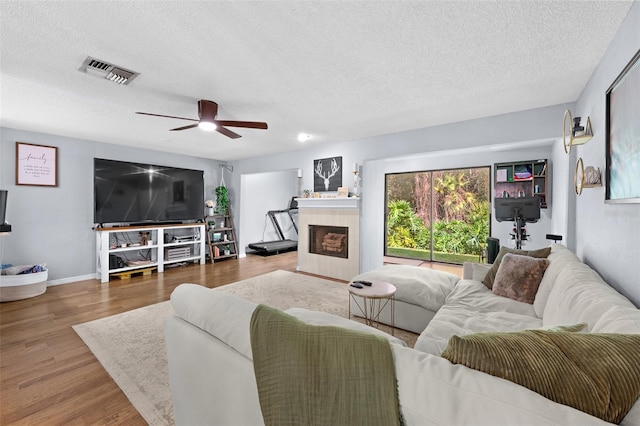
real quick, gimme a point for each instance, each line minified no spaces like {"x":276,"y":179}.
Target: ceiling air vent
{"x":106,"y":70}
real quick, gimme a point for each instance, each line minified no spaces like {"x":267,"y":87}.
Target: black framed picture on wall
{"x":36,"y":165}
{"x":327,"y":174}
{"x":623,"y":136}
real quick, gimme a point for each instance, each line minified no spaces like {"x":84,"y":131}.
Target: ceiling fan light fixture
{"x":207,"y":126}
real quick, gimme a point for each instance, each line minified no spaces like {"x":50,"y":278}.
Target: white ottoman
{"x":420,"y":293}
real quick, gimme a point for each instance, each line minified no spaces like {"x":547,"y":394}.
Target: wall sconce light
{"x":573,"y":133}
{"x":356,"y":181}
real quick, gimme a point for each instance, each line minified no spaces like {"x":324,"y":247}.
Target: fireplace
{"x":329,"y":237}
{"x":329,"y":240}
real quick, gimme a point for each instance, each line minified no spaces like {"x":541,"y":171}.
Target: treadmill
{"x":283,"y":244}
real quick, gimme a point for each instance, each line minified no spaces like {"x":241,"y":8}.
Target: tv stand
{"x":165,"y":245}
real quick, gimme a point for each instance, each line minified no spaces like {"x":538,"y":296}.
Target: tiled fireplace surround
{"x":339,"y":216}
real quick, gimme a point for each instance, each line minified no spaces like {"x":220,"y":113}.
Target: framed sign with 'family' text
{"x":36,"y":164}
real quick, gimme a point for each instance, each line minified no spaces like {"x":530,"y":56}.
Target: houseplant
{"x":222,"y":199}
{"x":226,"y":249}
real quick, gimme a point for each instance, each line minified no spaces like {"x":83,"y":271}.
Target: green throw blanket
{"x":321,"y":375}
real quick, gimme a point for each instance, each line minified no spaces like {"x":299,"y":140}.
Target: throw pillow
{"x":491,"y":275}
{"x":519,"y":277}
{"x":595,"y":373}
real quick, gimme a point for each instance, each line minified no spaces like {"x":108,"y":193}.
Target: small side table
{"x":374,"y":299}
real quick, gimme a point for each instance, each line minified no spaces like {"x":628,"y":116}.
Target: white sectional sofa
{"x":211,"y":371}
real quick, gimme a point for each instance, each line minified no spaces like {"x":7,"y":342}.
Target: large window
{"x":439,"y":215}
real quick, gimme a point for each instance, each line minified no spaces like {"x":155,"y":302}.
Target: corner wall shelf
{"x":574,"y":140}
{"x":579,"y":178}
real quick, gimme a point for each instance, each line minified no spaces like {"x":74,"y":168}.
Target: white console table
{"x":124,"y":242}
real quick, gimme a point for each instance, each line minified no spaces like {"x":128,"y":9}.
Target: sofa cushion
{"x":433,"y":391}
{"x":220,"y":314}
{"x":473,"y":308}
{"x":595,"y":373}
{"x":491,"y":275}
{"x":475,"y":271}
{"x":559,"y":257}
{"x":424,"y":287}
{"x":519,"y":277}
{"x":324,"y":318}
{"x":580,"y":295}
{"x":619,"y":319}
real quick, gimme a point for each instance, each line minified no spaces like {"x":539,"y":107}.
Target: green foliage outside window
{"x":460,"y":212}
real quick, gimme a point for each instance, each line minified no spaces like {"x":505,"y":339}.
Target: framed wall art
{"x":36,"y":165}
{"x":327,"y":174}
{"x":623,"y":136}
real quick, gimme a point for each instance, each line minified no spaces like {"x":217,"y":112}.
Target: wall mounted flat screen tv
{"x":136,"y":193}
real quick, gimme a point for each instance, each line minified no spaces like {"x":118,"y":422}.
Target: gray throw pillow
{"x":491,"y":275}
{"x":519,"y":277}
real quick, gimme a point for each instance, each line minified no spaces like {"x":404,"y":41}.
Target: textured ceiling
{"x":336,"y":70}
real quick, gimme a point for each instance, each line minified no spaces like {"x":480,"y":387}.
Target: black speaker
{"x":115,"y":262}
{"x":493,"y":247}
{"x":3,"y":205}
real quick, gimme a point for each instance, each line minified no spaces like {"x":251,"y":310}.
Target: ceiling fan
{"x":207,"y":111}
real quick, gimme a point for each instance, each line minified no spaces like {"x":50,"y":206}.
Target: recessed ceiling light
{"x":303,"y":137}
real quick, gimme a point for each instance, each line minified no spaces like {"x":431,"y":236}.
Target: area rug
{"x":130,"y":346}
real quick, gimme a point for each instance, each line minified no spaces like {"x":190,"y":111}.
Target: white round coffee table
{"x":374,"y":299}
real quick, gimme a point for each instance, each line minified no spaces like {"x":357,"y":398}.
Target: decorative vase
{"x":209,"y":211}
{"x":591,"y":175}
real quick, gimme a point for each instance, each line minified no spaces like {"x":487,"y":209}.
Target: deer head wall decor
{"x":335,"y":164}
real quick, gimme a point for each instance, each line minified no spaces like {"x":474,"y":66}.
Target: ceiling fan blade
{"x":166,"y":116}
{"x":247,"y":124}
{"x":228,"y":133}
{"x":190,"y":126}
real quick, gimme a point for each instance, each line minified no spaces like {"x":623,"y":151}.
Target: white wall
{"x":269,"y":191}
{"x":607,"y":236}
{"x":54,"y":224}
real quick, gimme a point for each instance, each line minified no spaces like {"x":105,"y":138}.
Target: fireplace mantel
{"x":329,"y":203}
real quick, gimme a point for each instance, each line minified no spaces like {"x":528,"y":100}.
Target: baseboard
{"x":69,"y":280}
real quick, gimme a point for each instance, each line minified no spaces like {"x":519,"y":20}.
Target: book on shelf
{"x":544,"y":169}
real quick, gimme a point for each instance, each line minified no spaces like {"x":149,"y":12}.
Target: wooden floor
{"x":47,"y":374}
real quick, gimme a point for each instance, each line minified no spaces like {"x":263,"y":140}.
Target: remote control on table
{"x":356,"y":285}
{"x":363,"y":282}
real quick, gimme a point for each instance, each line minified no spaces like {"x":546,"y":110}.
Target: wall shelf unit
{"x":131,"y":248}
{"x":569,"y":137}
{"x":579,"y":178}
{"x":221,"y":235}
{"x":522,"y":179}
